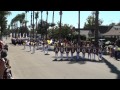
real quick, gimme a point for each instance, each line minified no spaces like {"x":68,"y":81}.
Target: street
{"x":39,"y":66}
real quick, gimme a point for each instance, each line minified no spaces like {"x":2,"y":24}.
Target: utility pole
{"x":79,"y":27}
{"x":96,"y":27}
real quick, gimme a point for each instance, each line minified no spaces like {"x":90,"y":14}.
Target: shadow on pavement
{"x":113,"y":69}
{"x":80,"y":61}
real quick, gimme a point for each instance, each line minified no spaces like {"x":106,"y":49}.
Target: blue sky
{"x":71,"y":17}
{"x":107,"y":17}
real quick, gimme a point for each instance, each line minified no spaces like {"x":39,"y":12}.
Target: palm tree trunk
{"x":60,"y":25}
{"x":36,"y":27}
{"x":41,"y":25}
{"x":46,"y":23}
{"x":33,"y":25}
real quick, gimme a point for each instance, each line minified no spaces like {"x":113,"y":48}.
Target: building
{"x":114,"y":32}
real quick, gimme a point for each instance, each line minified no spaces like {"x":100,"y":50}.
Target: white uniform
{"x":46,"y":48}
{"x":100,"y":54}
{"x":89,"y":52}
{"x":83,"y":52}
{"x":62,"y":51}
{"x":34,"y":47}
{"x":67,"y":52}
{"x":94,"y":52}
{"x":72,"y":51}
{"x":56,"y":49}
{"x":78,"y":51}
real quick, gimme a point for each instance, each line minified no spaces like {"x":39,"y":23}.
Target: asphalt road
{"x":39,"y":66}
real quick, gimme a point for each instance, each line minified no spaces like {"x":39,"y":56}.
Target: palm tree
{"x":41,"y":22}
{"x":26,"y":18}
{"x":3,"y":21}
{"x":60,"y":24}
{"x":46,"y":23}
{"x":21,"y":18}
{"x":36,"y":17}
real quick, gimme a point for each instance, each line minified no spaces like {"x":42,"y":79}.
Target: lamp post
{"x":60,"y":25}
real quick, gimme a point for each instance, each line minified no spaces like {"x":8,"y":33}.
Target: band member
{"x":67,"y":49}
{"x":72,"y":51}
{"x":94,"y":51}
{"x":24,"y":43}
{"x":89,"y":51}
{"x":62,"y":51}
{"x":30,"y":43}
{"x":100,"y":53}
{"x":78,"y":51}
{"x":56,"y":49}
{"x":34,"y":44}
{"x":46,"y":48}
{"x":43,"y":46}
{"x":83,"y":51}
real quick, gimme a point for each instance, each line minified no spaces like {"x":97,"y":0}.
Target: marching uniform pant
{"x":30,"y":47}
{"x":43,"y":48}
{"x":56,"y":56}
{"x":94,"y":56}
{"x":24,"y":46}
{"x":71,"y":55}
{"x":89,"y":56}
{"x":100,"y":56}
{"x":77,"y":56}
{"x":83,"y":55}
{"x":46,"y":49}
{"x":62,"y":56}
{"x":67,"y":55}
{"x":33,"y":49}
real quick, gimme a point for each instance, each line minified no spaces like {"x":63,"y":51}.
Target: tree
{"x":112,"y":24}
{"x":90,"y":23}
{"x":3,"y":21}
